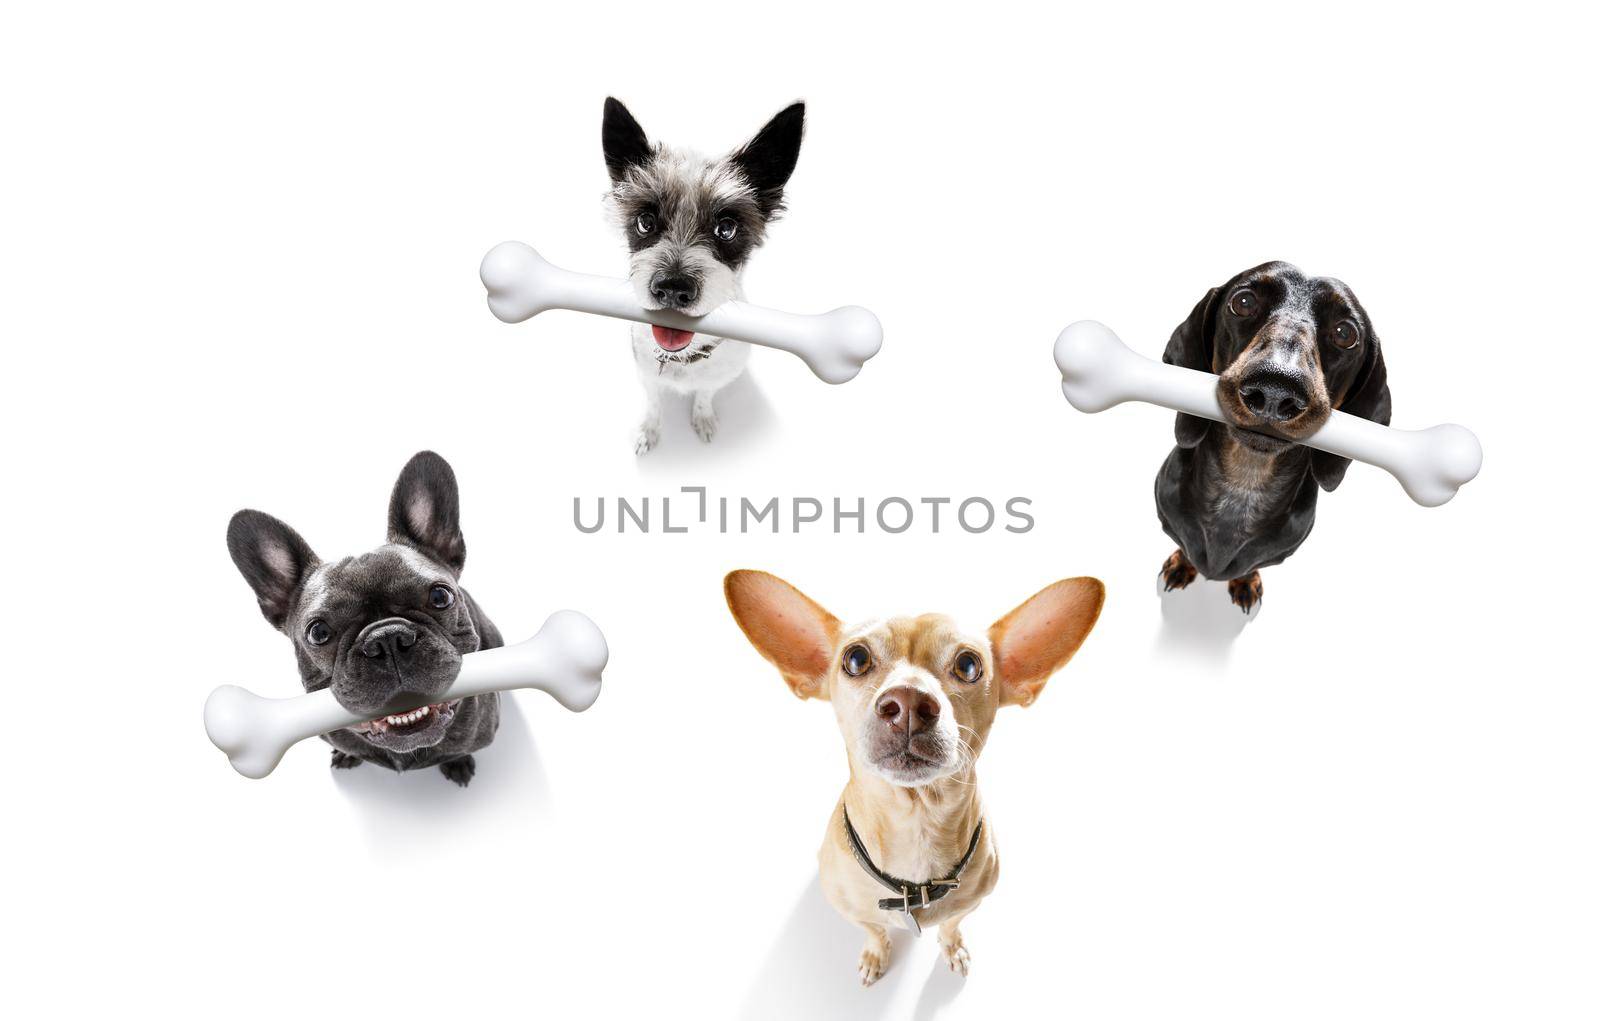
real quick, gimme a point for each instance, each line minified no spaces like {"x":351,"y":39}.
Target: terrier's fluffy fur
{"x":691,"y":224}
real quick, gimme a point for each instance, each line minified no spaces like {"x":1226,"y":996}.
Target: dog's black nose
{"x":386,"y":638}
{"x":905,"y":708}
{"x":674,"y":290}
{"x":1275,"y":397}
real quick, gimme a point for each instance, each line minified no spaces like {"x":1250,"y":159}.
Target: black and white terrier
{"x":691,"y":224}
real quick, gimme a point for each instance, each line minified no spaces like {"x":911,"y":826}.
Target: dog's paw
{"x":459,"y":771}
{"x":704,"y":420}
{"x":342,"y":760}
{"x":872,"y":964}
{"x":1177,"y":572}
{"x":956,"y":956}
{"x":646,"y":439}
{"x":1246,"y":592}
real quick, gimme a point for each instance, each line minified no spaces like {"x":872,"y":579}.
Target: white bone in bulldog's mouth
{"x":419,"y":717}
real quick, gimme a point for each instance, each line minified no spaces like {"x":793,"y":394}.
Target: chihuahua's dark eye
{"x":857,"y":660}
{"x":1244,"y":303}
{"x":968,"y":667}
{"x":645,"y":223}
{"x":318,"y":632}
{"x":440,"y":597}
{"x":726,"y":229}
{"x":1345,"y":334}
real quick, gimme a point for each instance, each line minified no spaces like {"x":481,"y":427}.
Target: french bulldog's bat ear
{"x":1037,"y":638}
{"x":273,"y":559}
{"x":1190,"y":347}
{"x":793,"y":633}
{"x":425,"y":510}
{"x":769,"y":158}
{"x":1367,"y":398}
{"x":623,"y":140}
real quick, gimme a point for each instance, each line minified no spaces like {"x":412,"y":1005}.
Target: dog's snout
{"x":674,"y":290}
{"x":907,"y":709}
{"x":387,"y":639}
{"x":1275,"y":397}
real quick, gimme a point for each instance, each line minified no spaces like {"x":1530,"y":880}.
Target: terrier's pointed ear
{"x":769,"y":158}
{"x":1037,"y":638}
{"x":273,"y":559}
{"x":794,"y":634}
{"x":622,"y":140}
{"x":425,"y":510}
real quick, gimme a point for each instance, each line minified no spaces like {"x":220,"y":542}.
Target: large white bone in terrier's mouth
{"x":669,"y":339}
{"x":834,"y":344}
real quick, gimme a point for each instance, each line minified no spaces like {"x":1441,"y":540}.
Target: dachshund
{"x":1289,"y":350}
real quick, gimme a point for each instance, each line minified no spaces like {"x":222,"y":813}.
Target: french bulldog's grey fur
{"x":383,"y":593}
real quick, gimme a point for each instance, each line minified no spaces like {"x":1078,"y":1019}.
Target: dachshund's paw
{"x":1246,"y":592}
{"x":1177,"y":572}
{"x":342,"y":760}
{"x":459,"y":771}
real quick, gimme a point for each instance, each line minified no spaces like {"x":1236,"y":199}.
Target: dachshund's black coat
{"x":1289,"y":350}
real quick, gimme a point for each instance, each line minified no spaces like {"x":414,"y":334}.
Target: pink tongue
{"x":671,"y":340}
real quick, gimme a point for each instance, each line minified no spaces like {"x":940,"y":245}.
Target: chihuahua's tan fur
{"x":914,"y":697}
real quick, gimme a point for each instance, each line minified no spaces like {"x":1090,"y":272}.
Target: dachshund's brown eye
{"x":1244,"y":303}
{"x":968,"y":667}
{"x":318,"y":633}
{"x":1346,"y":334}
{"x":857,"y":660}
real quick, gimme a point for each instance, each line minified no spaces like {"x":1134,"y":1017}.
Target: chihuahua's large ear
{"x":1369,"y":399}
{"x":425,"y":510}
{"x":1037,"y":638}
{"x":273,"y":559}
{"x":794,"y":634}
{"x":623,"y":140}
{"x":1190,"y":347}
{"x":769,"y":158}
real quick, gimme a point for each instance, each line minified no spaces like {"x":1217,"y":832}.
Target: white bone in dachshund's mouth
{"x":671,"y":340}
{"x":416,"y":719}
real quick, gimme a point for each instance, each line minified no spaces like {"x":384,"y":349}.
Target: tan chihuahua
{"x":915,"y":697}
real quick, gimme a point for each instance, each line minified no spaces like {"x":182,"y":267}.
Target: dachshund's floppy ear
{"x":1369,"y":399}
{"x":1190,"y":347}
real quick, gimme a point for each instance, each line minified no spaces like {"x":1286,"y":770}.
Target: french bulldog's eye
{"x":1345,"y":334}
{"x":318,"y":632}
{"x":645,"y":223}
{"x":857,"y":660}
{"x":726,"y":228}
{"x":1244,"y":303}
{"x":441,"y":598}
{"x":968,"y":667}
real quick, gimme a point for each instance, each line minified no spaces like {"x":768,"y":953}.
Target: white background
{"x":238,"y":268}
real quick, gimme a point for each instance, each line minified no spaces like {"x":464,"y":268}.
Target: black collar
{"x":913,"y":896}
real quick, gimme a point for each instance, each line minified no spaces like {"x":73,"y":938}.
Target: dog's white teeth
{"x":403,"y":719}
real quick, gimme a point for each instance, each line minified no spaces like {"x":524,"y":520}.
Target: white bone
{"x":835,"y":344}
{"x":564,"y":659}
{"x":1098,"y":371}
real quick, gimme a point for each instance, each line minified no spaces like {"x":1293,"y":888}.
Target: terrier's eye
{"x":440,"y":597}
{"x":968,"y":667}
{"x":1346,"y":334}
{"x":645,"y":223}
{"x":1244,"y":303}
{"x":857,"y":660}
{"x":318,"y":632}
{"x":726,"y":228}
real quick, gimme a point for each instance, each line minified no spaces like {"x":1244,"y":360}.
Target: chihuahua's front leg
{"x":955,"y":950}
{"x":650,"y":428}
{"x":875,"y":955}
